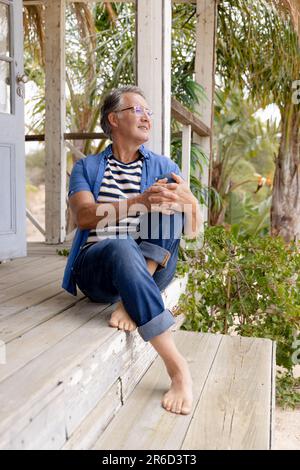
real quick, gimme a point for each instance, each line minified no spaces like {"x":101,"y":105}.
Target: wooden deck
{"x":61,"y":357}
{"x":233,"y":405}
{"x":70,"y":381}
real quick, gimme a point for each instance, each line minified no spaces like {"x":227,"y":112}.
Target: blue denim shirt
{"x":87,"y":175}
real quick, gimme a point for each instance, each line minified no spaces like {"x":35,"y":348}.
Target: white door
{"x":12,"y":155}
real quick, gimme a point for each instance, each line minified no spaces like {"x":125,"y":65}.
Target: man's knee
{"x":156,"y":226}
{"x":120,"y":249}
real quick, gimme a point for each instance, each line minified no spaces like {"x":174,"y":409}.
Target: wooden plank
{"x":40,"y":248}
{"x":273,"y":396}
{"x":30,"y":272}
{"x":173,"y":292}
{"x":88,"y":431}
{"x":17,"y":324}
{"x":143,"y":354}
{"x":92,"y":377}
{"x":234,"y":408}
{"x":186,"y":152}
{"x":55,"y":175}
{"x":34,"y":221}
{"x":96,"y":422}
{"x":153,"y":56}
{"x":78,"y":369}
{"x":205,"y":75}
{"x":40,"y":429}
{"x":49,"y":369}
{"x":29,"y":299}
{"x":14,"y":266}
{"x":131,"y":376}
{"x":25,"y":287}
{"x":24,"y":349}
{"x":187,"y":118}
{"x":142,"y":423}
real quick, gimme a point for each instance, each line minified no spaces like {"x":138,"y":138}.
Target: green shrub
{"x":247,"y":286}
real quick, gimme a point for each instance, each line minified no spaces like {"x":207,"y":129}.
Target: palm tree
{"x":258,"y":50}
{"x":243,"y":149}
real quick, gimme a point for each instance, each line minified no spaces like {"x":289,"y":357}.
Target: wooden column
{"x":55,"y":121}
{"x":186,"y":152}
{"x":153,"y":67}
{"x":205,"y":74}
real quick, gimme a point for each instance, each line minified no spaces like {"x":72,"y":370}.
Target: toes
{"x":122,"y":324}
{"x":178,"y":407}
{"x":167,"y":404}
{"x":174,"y":407}
{"x":186,"y":409}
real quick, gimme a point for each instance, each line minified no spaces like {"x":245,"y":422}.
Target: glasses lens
{"x":140,"y":111}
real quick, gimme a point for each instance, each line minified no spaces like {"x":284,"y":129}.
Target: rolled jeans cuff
{"x":157,"y":325}
{"x":155,"y":252}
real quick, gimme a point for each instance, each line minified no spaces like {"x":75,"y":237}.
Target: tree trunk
{"x":217,"y":214}
{"x":285,"y":210}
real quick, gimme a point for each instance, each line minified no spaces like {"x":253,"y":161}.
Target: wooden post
{"x":205,"y":74}
{"x":55,"y":121}
{"x":153,"y":68}
{"x":186,"y":152}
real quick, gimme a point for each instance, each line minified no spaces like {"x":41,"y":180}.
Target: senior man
{"x":130,"y":220}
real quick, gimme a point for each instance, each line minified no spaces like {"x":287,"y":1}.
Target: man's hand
{"x":174,"y":196}
{"x":163,"y":201}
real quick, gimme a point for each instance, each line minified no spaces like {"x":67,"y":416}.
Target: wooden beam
{"x":186,"y":152}
{"x":153,"y":68}
{"x":55,"y":184}
{"x":68,"y":136}
{"x":205,"y":76}
{"x":186,"y":117}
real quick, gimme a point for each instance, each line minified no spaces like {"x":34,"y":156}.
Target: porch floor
{"x":69,"y":381}
{"x":54,"y":351}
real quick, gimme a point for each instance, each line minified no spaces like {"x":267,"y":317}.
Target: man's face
{"x":133,"y":126}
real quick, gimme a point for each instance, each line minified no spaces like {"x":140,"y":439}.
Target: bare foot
{"x":179,"y":399}
{"x":121,"y":320}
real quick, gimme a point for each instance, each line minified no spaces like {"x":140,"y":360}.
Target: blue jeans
{"x":115,"y":269}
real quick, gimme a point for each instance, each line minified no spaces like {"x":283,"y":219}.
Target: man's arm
{"x":88,"y":214}
{"x":85,"y":210}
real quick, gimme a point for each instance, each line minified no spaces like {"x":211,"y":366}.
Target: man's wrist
{"x":192,"y":202}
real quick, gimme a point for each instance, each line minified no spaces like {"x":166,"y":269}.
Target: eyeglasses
{"x":138,"y":110}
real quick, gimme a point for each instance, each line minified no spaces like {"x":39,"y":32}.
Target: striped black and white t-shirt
{"x":120,"y":181}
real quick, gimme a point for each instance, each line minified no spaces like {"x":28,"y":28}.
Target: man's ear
{"x":113,"y":119}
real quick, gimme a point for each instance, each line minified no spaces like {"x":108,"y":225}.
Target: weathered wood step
{"x":234,"y":399}
{"x":61,"y":370}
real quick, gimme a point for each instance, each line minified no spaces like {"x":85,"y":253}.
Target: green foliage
{"x":258,"y":50}
{"x":287,"y":390}
{"x":251,"y":218}
{"x":63,"y":252}
{"x":247,"y":286}
{"x":243,"y":151}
